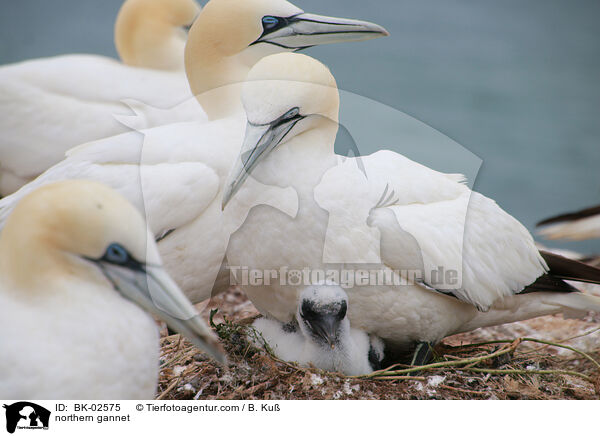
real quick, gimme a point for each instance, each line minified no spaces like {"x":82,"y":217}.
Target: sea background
{"x":515,"y":82}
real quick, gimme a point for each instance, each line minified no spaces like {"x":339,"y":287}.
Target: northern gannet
{"x":50,"y":105}
{"x":322,"y":335}
{"x":79,"y":277}
{"x":177,"y":175}
{"x":578,"y":226}
{"x":497,"y":274}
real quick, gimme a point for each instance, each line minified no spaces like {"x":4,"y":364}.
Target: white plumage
{"x":451,"y":227}
{"x":78,"y":274}
{"x":175,"y":173}
{"x":52,"y":104}
{"x":322,"y":336}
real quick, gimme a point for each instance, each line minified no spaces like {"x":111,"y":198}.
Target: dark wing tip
{"x":572,"y":216}
{"x":568,"y":269}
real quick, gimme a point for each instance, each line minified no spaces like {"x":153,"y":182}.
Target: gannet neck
{"x":150,"y":33}
{"x":218,"y":55}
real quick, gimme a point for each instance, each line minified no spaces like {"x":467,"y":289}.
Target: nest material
{"x":514,"y":369}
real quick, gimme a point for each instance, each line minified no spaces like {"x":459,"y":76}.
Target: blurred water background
{"x":516,"y":82}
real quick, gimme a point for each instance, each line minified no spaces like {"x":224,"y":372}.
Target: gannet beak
{"x":325,"y":327}
{"x":259,"y":141}
{"x":155,"y":291}
{"x":306,"y":30}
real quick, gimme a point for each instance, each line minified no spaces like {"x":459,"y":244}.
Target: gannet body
{"x":176,"y":177}
{"x":50,"y":105}
{"x":79,"y":273}
{"x":322,"y":336}
{"x":498,"y":275}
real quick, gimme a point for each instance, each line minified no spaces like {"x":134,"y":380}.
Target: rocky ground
{"x":515,"y":369}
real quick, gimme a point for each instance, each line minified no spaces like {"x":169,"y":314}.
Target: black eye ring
{"x":269,"y":22}
{"x":115,"y":253}
{"x":291,"y":113}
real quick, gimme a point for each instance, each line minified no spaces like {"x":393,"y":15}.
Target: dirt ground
{"x":515,"y":369}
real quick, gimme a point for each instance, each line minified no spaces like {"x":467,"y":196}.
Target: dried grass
{"x":518,"y":367}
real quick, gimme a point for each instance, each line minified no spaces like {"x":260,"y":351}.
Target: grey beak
{"x":259,"y":141}
{"x":306,"y":30}
{"x":155,"y":291}
{"x":325,"y":327}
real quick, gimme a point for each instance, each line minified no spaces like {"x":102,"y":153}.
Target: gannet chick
{"x":492,"y":271}
{"x":577,"y":226}
{"x":80,"y":277}
{"x":323,"y":336}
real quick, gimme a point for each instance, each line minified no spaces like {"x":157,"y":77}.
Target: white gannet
{"x":292,"y":104}
{"x":325,"y":338}
{"x":79,"y":277}
{"x":578,"y":226}
{"x":50,"y":105}
{"x":176,"y":176}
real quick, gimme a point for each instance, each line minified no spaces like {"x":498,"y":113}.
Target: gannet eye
{"x":291,"y":113}
{"x":269,"y":22}
{"x":115,"y":253}
{"x":343,"y":310}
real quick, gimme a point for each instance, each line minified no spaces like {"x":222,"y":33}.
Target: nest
{"x":467,"y":366}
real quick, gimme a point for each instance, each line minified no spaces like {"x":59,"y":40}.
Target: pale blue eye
{"x":115,"y":253}
{"x":269,"y":22}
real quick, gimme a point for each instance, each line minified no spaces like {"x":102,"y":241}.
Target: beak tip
{"x":380,"y":30}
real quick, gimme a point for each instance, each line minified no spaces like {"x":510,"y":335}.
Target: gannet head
{"x":152,"y":33}
{"x":284,"y":96}
{"x":321,"y":313}
{"x":81,"y":231}
{"x":230,"y":36}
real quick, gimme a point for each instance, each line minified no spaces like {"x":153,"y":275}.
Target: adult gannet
{"x":322,"y":335}
{"x":79,"y":277}
{"x":580,"y":225}
{"x":292,"y":103}
{"x":50,"y":105}
{"x":176,"y":177}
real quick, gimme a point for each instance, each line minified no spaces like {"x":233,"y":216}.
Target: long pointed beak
{"x":259,"y":141}
{"x":156,"y":292}
{"x":307,"y":30}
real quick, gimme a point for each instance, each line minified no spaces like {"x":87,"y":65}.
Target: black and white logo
{"x":26,"y":415}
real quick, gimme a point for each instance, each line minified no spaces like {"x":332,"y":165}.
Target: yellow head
{"x":151,"y":34}
{"x":285,"y":95}
{"x":80,"y":236}
{"x":230,"y":36}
